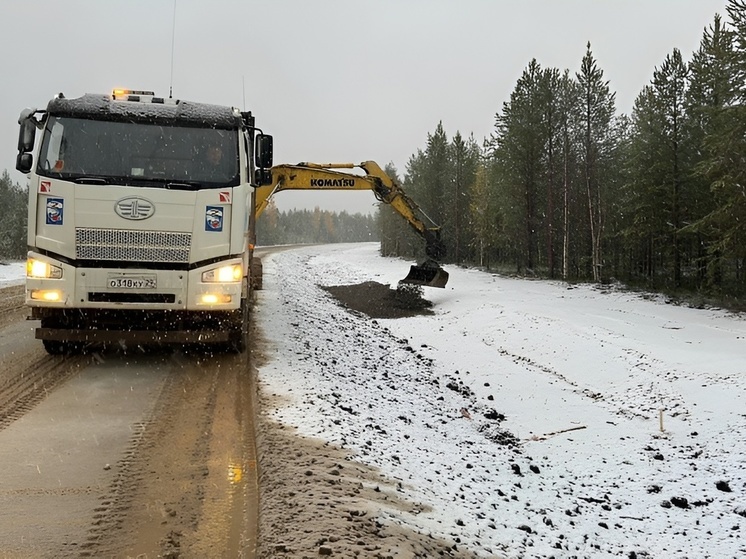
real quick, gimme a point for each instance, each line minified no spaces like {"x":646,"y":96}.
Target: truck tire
{"x":56,"y":347}
{"x":240,"y":331}
{"x":59,"y":347}
{"x":256,"y":273}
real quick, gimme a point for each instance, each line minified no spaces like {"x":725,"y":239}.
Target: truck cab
{"x":140,"y":219}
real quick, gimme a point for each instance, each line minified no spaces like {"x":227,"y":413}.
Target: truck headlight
{"x":49,"y":295}
{"x":40,"y":269}
{"x":224,"y":274}
{"x":215,"y":299}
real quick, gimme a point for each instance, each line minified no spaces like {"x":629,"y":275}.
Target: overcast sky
{"x":333,"y":80}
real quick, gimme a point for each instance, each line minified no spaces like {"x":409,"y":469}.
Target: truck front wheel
{"x":256,"y":273}
{"x":59,"y":347}
{"x":240,"y":331}
{"x":56,"y":347}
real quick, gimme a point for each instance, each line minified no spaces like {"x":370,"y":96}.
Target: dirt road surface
{"x":123,"y":454}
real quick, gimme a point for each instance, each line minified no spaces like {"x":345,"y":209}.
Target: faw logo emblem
{"x":134,"y":207}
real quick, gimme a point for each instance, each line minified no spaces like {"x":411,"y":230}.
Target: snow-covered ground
{"x":580,"y":378}
{"x":12,"y":273}
{"x":523,"y":418}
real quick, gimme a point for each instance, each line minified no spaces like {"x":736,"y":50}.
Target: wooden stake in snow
{"x":660,"y":419}
{"x":546,"y":435}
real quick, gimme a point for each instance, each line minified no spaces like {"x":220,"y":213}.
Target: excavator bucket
{"x":428,"y":274}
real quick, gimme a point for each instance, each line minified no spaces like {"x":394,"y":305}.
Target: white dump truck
{"x":140,"y":213}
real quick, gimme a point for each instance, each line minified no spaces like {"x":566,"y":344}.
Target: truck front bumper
{"x":134,"y":289}
{"x":133,"y":337}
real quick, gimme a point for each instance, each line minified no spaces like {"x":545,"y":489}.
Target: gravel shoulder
{"x":318,"y":499}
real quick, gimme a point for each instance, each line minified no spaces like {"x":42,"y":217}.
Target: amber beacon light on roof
{"x":120,"y":94}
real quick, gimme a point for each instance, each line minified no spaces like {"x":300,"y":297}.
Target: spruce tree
{"x":710,"y":89}
{"x":725,"y":165}
{"x":669,"y":87}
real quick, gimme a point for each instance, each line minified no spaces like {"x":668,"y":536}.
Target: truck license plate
{"x":132,"y":282}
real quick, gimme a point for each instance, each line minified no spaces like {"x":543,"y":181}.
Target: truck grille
{"x":132,"y":246}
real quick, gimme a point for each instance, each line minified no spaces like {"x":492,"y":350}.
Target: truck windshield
{"x":138,"y":153}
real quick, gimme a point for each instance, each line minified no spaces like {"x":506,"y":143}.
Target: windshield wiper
{"x":191,"y":185}
{"x":175,"y":185}
{"x":91,"y":180}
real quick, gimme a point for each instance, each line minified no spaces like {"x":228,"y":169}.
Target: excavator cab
{"x":429,"y":274}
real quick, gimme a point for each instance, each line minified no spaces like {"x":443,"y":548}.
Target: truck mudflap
{"x":429,"y":274}
{"x":134,"y":337}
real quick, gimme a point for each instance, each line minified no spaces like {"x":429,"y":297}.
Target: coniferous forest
{"x":13,"y":218}
{"x":313,"y":226}
{"x":566,"y":187}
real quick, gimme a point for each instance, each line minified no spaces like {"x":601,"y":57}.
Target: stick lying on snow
{"x":547,"y":435}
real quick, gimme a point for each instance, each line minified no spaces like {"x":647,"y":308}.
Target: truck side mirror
{"x":262,"y":177}
{"x":27,"y":134}
{"x":263,"y":155}
{"x":24,"y":162}
{"x":26,"y":137}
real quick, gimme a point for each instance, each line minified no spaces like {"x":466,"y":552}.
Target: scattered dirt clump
{"x":380,"y":301}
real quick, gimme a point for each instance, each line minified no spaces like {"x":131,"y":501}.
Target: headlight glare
{"x":215,"y":299}
{"x":224,"y":274}
{"x":40,"y":269}
{"x":51,"y":296}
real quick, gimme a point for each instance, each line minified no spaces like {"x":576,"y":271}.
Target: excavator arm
{"x":315,"y":176}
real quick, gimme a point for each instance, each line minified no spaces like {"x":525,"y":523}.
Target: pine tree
{"x":464,"y":155}
{"x":517,"y":145}
{"x":396,"y":237}
{"x":644,"y":194}
{"x":484,"y":216}
{"x":458,"y":152}
{"x":597,"y":110}
{"x":552,"y":129}
{"x":437,"y":177}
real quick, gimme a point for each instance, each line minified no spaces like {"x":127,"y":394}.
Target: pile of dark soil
{"x":380,"y":301}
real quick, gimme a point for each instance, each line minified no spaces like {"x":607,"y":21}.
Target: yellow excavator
{"x":315,"y":176}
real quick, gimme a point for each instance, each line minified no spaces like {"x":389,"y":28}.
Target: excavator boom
{"x":315,"y":176}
